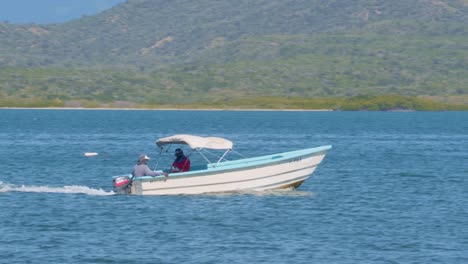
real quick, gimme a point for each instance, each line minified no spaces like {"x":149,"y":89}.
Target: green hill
{"x":181,"y":51}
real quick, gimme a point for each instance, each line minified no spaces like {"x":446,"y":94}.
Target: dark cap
{"x":178,"y":150}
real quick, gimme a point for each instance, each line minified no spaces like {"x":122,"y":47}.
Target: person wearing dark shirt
{"x":142,"y":169}
{"x":181,"y":163}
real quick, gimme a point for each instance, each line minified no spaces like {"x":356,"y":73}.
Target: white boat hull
{"x":277,"y":171}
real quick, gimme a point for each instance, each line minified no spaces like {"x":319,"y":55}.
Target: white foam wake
{"x":74,"y":189}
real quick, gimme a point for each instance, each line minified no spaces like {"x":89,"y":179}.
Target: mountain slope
{"x":152,"y":32}
{"x":191,"y":50}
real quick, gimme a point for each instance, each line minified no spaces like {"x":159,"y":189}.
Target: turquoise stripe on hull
{"x":245,"y":164}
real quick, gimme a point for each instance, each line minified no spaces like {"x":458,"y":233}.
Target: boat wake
{"x":73,"y":189}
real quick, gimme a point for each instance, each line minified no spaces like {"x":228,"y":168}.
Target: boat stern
{"x":122,"y":184}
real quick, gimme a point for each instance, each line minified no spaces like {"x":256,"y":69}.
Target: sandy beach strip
{"x":170,"y":109}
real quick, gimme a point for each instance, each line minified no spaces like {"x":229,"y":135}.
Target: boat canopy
{"x":196,"y":142}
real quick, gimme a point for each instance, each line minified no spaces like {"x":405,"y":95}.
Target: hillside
{"x":153,"y":51}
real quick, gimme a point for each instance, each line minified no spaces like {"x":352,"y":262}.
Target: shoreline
{"x":169,"y":109}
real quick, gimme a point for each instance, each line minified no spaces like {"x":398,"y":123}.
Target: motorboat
{"x":220,"y":175}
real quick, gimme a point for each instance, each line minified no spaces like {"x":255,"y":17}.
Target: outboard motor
{"x":122,"y":184}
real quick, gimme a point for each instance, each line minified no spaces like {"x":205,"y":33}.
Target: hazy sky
{"x":51,"y":11}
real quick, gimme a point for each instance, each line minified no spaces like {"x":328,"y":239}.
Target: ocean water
{"x":394,"y":189}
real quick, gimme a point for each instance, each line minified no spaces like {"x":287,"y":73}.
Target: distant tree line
{"x":358,"y":103}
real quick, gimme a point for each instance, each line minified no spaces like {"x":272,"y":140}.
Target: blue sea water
{"x":394,"y":189}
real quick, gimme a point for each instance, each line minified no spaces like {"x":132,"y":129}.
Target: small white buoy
{"x":90,"y":154}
